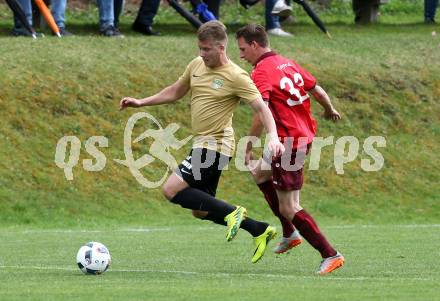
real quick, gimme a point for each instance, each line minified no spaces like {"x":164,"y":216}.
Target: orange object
{"x":331,"y":263}
{"x":47,"y":15}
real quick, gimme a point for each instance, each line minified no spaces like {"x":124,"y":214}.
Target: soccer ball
{"x":93,"y":258}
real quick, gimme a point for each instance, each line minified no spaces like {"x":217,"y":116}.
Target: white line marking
{"x":144,"y":230}
{"x":227,"y":275}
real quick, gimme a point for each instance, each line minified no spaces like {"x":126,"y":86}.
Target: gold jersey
{"x":215,"y":93}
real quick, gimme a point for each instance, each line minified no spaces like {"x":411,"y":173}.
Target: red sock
{"x":310,"y":231}
{"x":272,"y":199}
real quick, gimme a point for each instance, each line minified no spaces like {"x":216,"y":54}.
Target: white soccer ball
{"x":93,"y":258}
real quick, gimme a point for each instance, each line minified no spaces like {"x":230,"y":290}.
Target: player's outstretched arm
{"x":167,"y":95}
{"x":324,"y":100}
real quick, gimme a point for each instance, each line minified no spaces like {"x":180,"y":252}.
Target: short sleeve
{"x":186,"y":76}
{"x":245,"y":87}
{"x":262,"y":83}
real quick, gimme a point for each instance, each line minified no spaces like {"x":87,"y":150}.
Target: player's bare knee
{"x":297,"y":208}
{"x":260,"y":177}
{"x":253,"y":174}
{"x":287,"y":212}
{"x":168,"y":192}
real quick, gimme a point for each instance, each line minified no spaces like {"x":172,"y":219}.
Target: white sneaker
{"x":330,"y":264}
{"x":279,"y":32}
{"x":281,"y":9}
{"x":288,"y":243}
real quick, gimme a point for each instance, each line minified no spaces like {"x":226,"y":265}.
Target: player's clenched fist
{"x":332,"y":114}
{"x":129,"y":102}
{"x":275,"y":147}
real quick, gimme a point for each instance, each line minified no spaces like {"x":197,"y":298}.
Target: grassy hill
{"x":384,"y":79}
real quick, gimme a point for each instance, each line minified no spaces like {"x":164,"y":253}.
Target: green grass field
{"x":52,"y":88}
{"x":194,"y":262}
{"x":383,"y":78}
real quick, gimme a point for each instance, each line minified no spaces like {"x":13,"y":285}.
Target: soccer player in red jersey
{"x":284,"y":85}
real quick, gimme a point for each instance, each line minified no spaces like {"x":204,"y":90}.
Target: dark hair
{"x":214,"y":31}
{"x":253,"y":32}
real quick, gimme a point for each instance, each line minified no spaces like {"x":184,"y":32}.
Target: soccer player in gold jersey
{"x":217,"y":85}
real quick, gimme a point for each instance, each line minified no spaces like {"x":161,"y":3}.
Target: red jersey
{"x":284,"y":84}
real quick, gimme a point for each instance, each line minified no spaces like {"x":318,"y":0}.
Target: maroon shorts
{"x":289,"y":176}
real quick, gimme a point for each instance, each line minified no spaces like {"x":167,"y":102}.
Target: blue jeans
{"x":118,"y":6}
{"x":147,"y":11}
{"x":106,"y":13}
{"x":27,"y":9}
{"x":58,"y":9}
{"x":272,"y":21}
{"x":430,"y":8}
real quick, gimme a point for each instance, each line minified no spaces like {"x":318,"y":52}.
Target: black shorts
{"x":202,"y":169}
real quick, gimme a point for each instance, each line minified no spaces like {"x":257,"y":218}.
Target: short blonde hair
{"x":214,"y":31}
